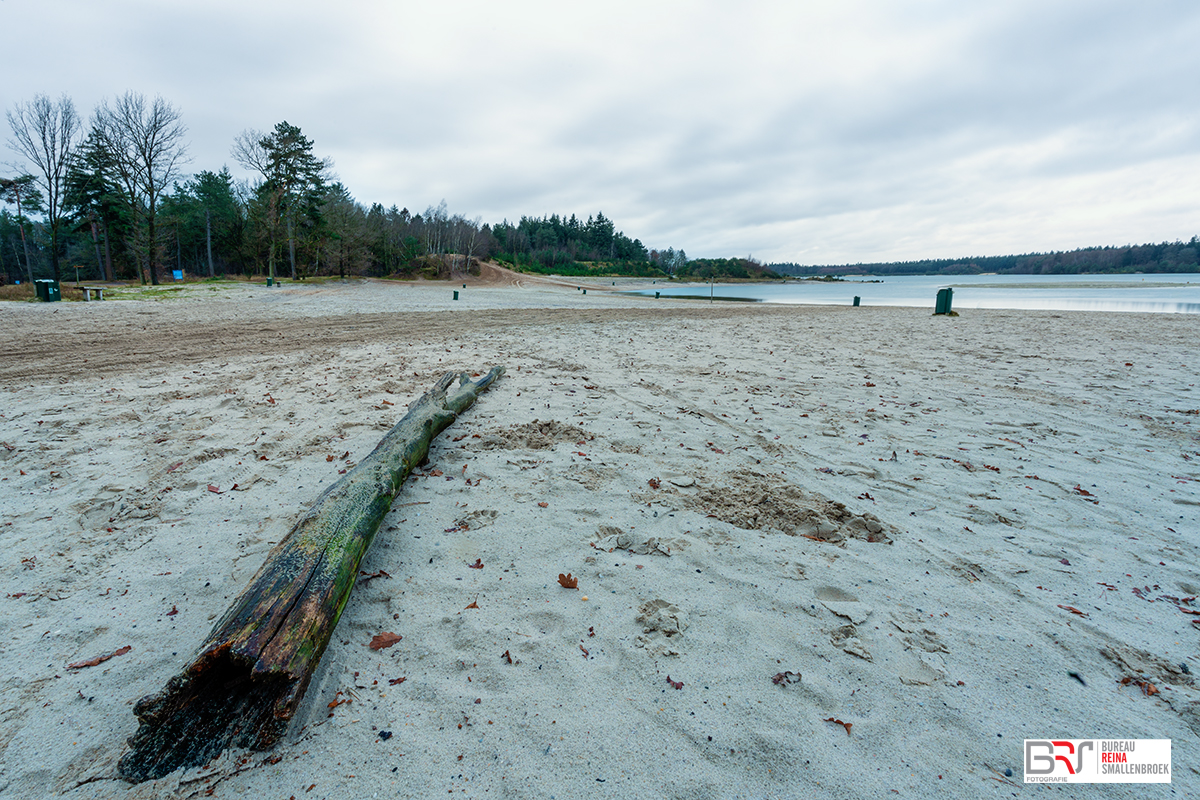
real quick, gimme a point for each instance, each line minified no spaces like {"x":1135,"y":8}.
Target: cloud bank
{"x":811,"y":132}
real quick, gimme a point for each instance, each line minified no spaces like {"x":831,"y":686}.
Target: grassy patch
{"x":14,"y":291}
{"x":143,"y":293}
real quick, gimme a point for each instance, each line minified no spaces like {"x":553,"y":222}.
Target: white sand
{"x":944,"y":648}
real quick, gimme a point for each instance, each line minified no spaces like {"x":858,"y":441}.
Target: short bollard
{"x":455,"y":295}
{"x":656,"y":295}
{"x":585,"y":291}
{"x":856,"y":299}
{"x":464,"y":286}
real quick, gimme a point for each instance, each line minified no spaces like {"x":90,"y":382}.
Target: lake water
{"x":1159,"y":293}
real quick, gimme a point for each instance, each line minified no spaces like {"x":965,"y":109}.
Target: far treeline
{"x":1166,"y":257}
{"x":108,"y":199}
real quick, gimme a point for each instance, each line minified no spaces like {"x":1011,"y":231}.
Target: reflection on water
{"x":1159,"y":294}
{"x":1159,"y":307}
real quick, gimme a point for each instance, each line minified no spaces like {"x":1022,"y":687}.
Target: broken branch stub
{"x":248,"y":677}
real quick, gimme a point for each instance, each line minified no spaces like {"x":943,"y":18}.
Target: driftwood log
{"x":247,"y":680}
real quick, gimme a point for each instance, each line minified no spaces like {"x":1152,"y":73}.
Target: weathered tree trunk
{"x":249,"y":676}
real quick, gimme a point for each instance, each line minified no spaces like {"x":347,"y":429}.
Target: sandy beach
{"x":950,"y":534}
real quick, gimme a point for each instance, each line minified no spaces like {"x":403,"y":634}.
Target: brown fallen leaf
{"x":1072,"y":609}
{"x":846,"y":725}
{"x":174,"y":610}
{"x":654,"y":483}
{"x":567,"y":582}
{"x":175,"y":466}
{"x":543,"y":504}
{"x":505,"y":655}
{"x":91,"y":662}
{"x":674,"y":684}
{"x":474,"y":604}
{"x":397,"y":681}
{"x":784,"y":678}
{"x":477,"y":565}
{"x":330,"y":457}
{"x":1148,"y":688}
{"x":385,"y":639}
{"x":436,"y":473}
{"x":215,"y":489}
{"x":368,"y":577}
{"x":1081,"y":491}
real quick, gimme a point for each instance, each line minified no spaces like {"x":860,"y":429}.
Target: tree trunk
{"x":54,"y":248}
{"x":249,"y":676}
{"x":208,"y":241}
{"x":24,"y":244}
{"x":152,"y":247}
{"x":291,"y":244}
{"x":108,"y":267}
{"x":96,"y":244}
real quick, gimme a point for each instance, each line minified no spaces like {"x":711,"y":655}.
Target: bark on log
{"x":248,"y":678}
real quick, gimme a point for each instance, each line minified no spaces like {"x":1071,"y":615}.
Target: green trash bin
{"x":47,"y":290}
{"x":944,"y":298}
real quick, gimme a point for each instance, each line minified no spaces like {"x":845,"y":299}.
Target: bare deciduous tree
{"x":145,"y":140}
{"x":47,"y":132}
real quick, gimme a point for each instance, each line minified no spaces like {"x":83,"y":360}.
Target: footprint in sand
{"x":663,"y":623}
{"x":844,"y":604}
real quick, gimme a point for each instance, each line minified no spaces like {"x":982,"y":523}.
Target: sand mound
{"x":536,"y":435}
{"x":755,"y":501}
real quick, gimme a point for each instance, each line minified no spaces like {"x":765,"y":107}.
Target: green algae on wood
{"x":249,"y":675}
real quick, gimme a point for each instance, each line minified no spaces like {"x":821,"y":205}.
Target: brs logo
{"x":1043,"y":756}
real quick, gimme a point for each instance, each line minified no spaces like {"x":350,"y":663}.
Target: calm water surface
{"x":1159,"y":293}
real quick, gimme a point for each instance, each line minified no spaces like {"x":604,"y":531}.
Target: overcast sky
{"x":815,"y":132}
